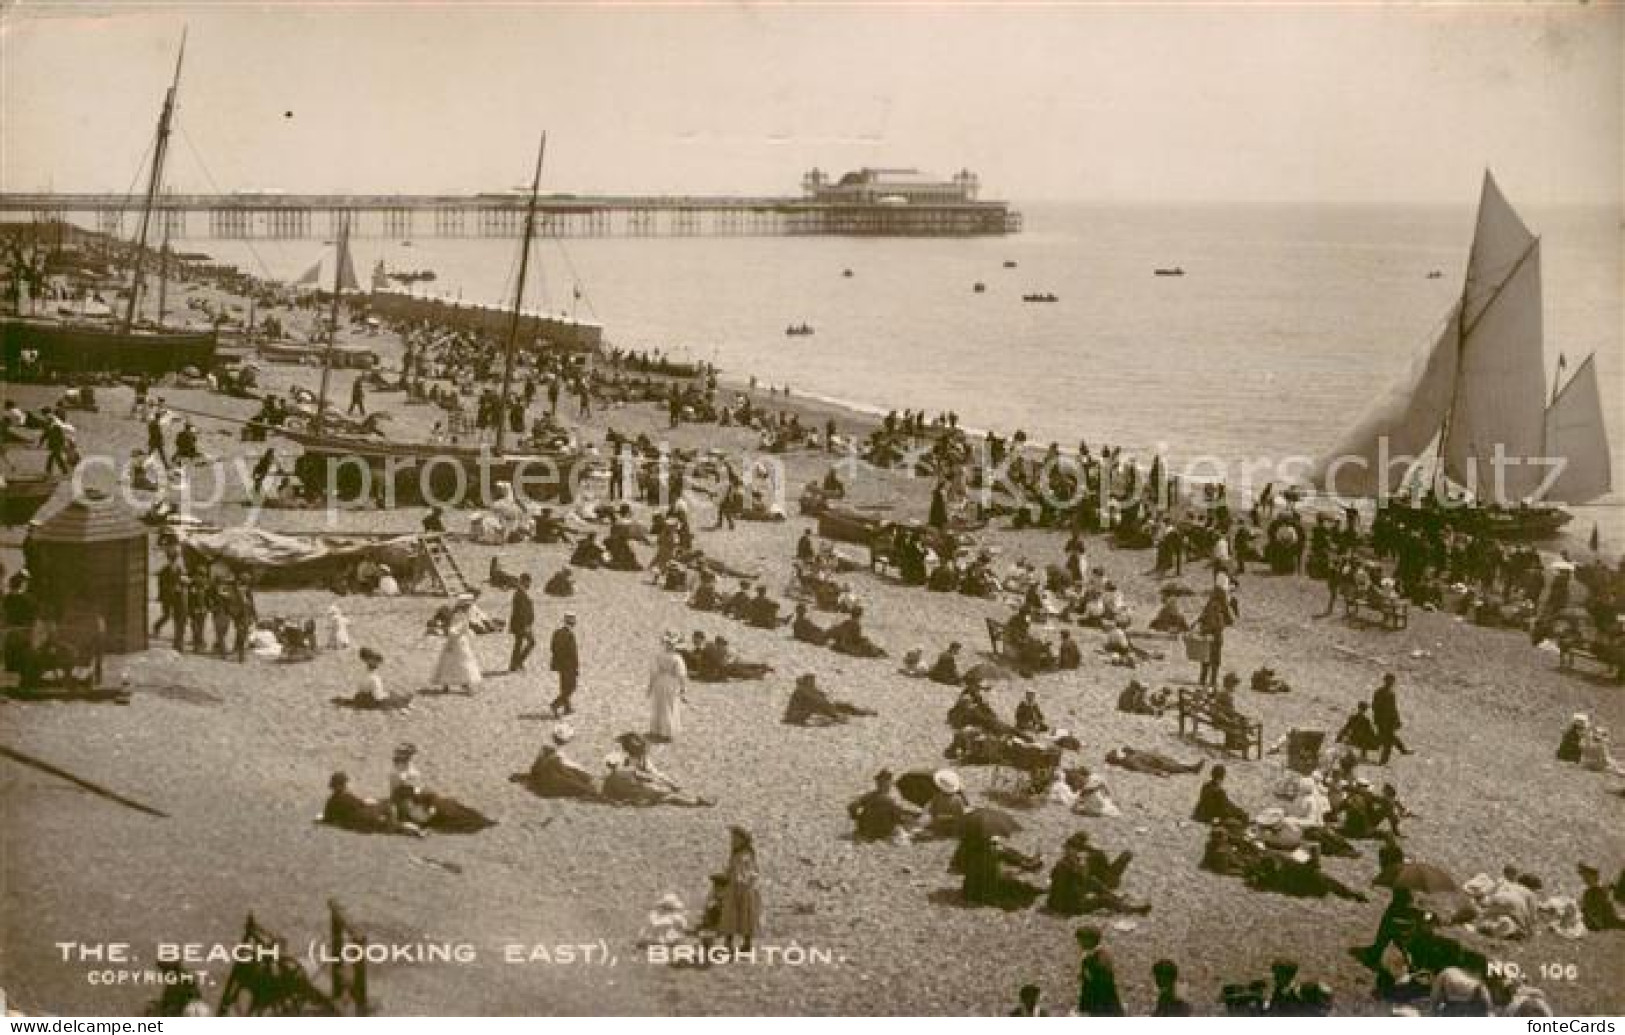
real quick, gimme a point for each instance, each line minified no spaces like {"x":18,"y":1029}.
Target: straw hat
{"x":947,"y":781}
{"x":563,"y":733}
{"x":1093,"y":782}
{"x":406,"y":749}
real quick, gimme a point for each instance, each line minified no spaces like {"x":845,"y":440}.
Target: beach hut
{"x":89,"y":560}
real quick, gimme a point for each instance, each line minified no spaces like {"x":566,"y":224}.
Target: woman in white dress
{"x":668,"y":686}
{"x":457,"y":665}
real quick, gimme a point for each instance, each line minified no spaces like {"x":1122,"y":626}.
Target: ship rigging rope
{"x":129,"y":192}
{"x":577,"y":292}
{"x":202,"y":165}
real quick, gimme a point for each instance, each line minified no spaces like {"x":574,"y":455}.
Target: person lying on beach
{"x":349,"y":811}
{"x":1151,"y":762}
{"x":945,"y":811}
{"x":548,"y":528}
{"x":500,"y":577}
{"x":414,"y":803}
{"x":618,"y":547}
{"x":945,"y":669}
{"x":1297,"y":874}
{"x":633,"y":779}
{"x":1138,"y":699}
{"x":588,"y":553}
{"x":1029,"y":653}
{"x":737,"y":606}
{"x":1086,"y":880}
{"x":847,"y":637}
{"x":1361,"y":812}
{"x":561,"y":584}
{"x":914,"y":664}
{"x":713,"y":661}
{"x":553,"y":775}
{"x":1121,"y":648}
{"x":811,"y":706}
{"x":1094,"y":797}
{"x":370,"y":694}
{"x":763,"y":611}
{"x":706,"y":597}
{"x":881,"y":814}
{"x":982,"y":860}
{"x":1213,"y":801}
{"x":805,"y":630}
{"x":971,"y":711}
{"x":1030,"y":719}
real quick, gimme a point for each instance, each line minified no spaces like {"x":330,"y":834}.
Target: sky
{"x":1169,"y":102}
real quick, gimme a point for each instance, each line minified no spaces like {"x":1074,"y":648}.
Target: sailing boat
{"x":1477,"y":396}
{"x":79,"y":348}
{"x":444,"y":472}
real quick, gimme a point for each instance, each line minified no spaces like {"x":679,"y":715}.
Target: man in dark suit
{"x":1385,"y":716}
{"x":522,"y":624}
{"x":1097,"y":977}
{"x":567,"y":663}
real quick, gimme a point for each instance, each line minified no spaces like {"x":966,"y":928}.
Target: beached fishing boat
{"x":34,"y":348}
{"x":440,"y":471}
{"x":21,"y":496}
{"x":1477,"y":393}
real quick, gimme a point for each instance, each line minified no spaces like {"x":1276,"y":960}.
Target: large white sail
{"x":1575,"y":432}
{"x":1501,"y":374}
{"x":1400,"y":423}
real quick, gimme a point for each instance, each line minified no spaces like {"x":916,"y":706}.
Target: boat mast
{"x":519,"y":296}
{"x":160,"y":148}
{"x":163,"y":273}
{"x":333,"y":318}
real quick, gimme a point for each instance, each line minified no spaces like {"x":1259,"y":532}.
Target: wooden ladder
{"x":446,"y":572}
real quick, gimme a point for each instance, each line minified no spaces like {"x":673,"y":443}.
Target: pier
{"x":862,"y":204}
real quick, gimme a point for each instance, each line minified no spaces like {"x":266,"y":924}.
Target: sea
{"x":1286,"y":320}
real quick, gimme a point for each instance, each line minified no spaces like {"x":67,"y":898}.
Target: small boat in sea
{"x":1040,"y":297}
{"x":1476,"y":397}
{"x":979,"y":287}
{"x":846,"y":273}
{"x":1435,"y":274}
{"x":1169,"y":271}
{"x":1009,"y":264}
{"x":798,"y":330}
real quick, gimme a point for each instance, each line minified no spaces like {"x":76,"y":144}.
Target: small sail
{"x":380,"y":279}
{"x":1575,"y":432}
{"x":311,"y":276}
{"x":347,"y":277}
{"x":1501,"y":380}
{"x":1400,"y":423}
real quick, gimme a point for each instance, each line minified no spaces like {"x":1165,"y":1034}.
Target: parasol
{"x":916,"y":787}
{"x":988,"y":822}
{"x":986,"y":672}
{"x":1423,"y":878}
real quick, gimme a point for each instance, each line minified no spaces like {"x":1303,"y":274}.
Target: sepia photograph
{"x":735,"y":509}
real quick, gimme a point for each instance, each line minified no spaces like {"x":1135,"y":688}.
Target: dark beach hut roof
{"x":90,"y":519}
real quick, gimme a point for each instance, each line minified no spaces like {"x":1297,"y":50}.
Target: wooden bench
{"x":1242,"y":735}
{"x":1391,"y":612}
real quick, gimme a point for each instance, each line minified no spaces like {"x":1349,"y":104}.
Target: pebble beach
{"x":238,"y":757}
